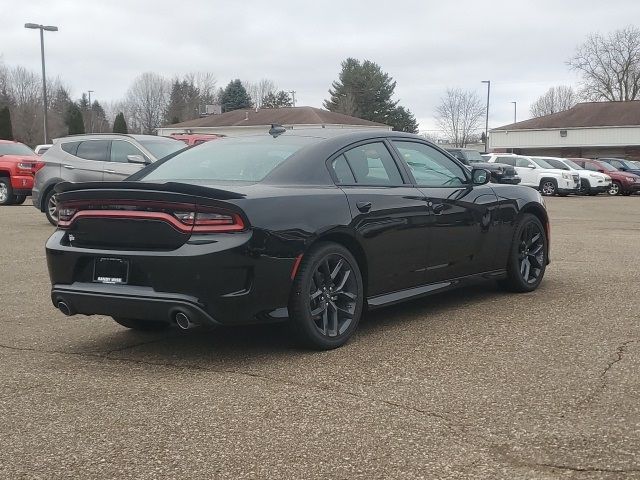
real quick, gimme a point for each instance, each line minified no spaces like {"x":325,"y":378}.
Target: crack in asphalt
{"x":459,"y":428}
{"x":617,"y":357}
{"x":555,"y":466}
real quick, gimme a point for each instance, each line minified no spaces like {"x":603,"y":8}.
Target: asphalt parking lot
{"x":471,"y":384}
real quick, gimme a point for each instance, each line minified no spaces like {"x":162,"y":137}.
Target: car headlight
{"x":566,"y":176}
{"x":630,"y":179}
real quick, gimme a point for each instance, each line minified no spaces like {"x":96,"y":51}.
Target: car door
{"x":390,"y":216}
{"x":461,"y":240}
{"x":527,"y":171}
{"x":119,"y":167}
{"x":85,"y":162}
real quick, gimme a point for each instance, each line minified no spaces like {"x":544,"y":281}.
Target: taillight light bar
{"x":186,"y":218}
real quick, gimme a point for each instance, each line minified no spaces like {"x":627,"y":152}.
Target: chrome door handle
{"x":109,"y":171}
{"x":69,"y":167}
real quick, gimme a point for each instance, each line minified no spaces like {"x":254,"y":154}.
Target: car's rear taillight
{"x":186,"y":218}
{"x":37,"y":166}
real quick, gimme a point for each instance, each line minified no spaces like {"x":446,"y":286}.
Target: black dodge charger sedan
{"x":309,"y":226}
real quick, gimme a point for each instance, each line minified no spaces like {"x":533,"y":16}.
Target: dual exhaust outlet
{"x":181,"y":319}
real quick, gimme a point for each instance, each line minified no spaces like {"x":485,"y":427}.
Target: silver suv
{"x":91,"y":158}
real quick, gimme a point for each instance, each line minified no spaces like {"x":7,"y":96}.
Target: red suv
{"x":18,"y":165}
{"x":622,"y":183}
{"x":195,"y":138}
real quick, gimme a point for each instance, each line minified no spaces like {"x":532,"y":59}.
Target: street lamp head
{"x":485,"y":81}
{"x":50,"y":28}
{"x":31,"y":25}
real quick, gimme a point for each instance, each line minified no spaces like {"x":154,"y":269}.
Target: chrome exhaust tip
{"x":64,"y":308}
{"x":182,"y":321}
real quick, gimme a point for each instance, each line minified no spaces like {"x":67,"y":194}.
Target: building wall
{"x":576,"y":137}
{"x":629,"y":153}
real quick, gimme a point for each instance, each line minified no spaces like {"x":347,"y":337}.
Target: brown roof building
{"x":591,"y":129}
{"x":238,"y":122}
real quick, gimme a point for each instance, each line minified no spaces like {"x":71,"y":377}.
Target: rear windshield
{"x":162,"y":146}
{"x":242,"y":159}
{"x":15,"y":149}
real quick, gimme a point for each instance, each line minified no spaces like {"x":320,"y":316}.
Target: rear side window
{"x":94,"y":150}
{"x":70,"y":147}
{"x":121,"y":149}
{"x":372,"y":164}
{"x":342,"y":170}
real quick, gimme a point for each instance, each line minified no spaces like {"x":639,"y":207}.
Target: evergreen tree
{"x":277,"y":100}
{"x":119,"y":124}
{"x":235,"y":97}
{"x":74,"y":120}
{"x":402,"y":120}
{"x":6,"y":132}
{"x":100,"y":122}
{"x":362,"y":90}
{"x":176,"y":104}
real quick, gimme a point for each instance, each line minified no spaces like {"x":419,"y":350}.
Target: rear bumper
{"x":21,"y":191}
{"x":509,"y":180}
{"x":22,"y":183}
{"x":128,"y":302}
{"x":221,"y":280}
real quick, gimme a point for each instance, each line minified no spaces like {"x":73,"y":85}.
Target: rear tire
{"x":327,"y":297}
{"x":18,"y":199}
{"x":141,"y":325}
{"x":50,"y":207}
{"x":528,"y":256}
{"x":6,"y":191}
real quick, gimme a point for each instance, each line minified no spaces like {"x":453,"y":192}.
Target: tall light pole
{"x":486,"y":125}
{"x":515,"y":112}
{"x":90,"y":113}
{"x":42,"y":28}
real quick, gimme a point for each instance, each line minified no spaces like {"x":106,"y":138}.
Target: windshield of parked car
{"x":473,"y":156}
{"x":573,"y":164}
{"x":241,"y":159}
{"x":162,"y":146}
{"x":15,"y":149}
{"x":542,"y":163}
{"x":606,"y":166}
{"x":556,"y":164}
{"x":628,"y":164}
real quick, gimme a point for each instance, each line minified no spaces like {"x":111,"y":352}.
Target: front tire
{"x":51,"y":207}
{"x":615,"y":188}
{"x":548,"y":188}
{"x":585,"y":187}
{"x":327,"y":297}
{"x":527,"y":257}
{"x":6,"y":191}
{"x":141,"y":325}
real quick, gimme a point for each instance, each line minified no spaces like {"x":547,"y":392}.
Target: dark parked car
{"x":311,"y":226}
{"x":622,"y":183}
{"x":500,"y":173}
{"x":622,"y":165}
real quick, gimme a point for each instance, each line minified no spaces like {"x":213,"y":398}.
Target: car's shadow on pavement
{"x":202,"y":346}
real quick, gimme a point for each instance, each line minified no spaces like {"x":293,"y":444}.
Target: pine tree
{"x":402,"y":120}
{"x":362,"y":90}
{"x":100,"y":122}
{"x":6,"y":131}
{"x":277,"y":100}
{"x":235,"y":97}
{"x":119,"y":124}
{"x":74,"y":120}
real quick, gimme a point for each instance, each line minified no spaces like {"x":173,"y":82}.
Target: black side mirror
{"x":480,"y":176}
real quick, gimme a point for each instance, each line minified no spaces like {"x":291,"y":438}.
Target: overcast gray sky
{"x":427,"y":46}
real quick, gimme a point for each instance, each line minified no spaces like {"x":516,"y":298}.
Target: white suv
{"x":538,"y":174}
{"x":591,"y":183}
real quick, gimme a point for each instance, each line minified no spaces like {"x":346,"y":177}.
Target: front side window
{"x":121,"y":149}
{"x":506,"y":160}
{"x":162,"y":147}
{"x":94,"y":150}
{"x":429,"y":167}
{"x":542,"y":163}
{"x":523,"y":162}
{"x":372,"y":164}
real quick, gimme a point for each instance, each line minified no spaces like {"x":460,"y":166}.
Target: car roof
{"x":103,"y":136}
{"x":4,"y":142}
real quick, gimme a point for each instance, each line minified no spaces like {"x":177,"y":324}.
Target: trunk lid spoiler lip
{"x":173,"y":187}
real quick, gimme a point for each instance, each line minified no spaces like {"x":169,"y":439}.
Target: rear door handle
{"x":109,"y":171}
{"x":69,"y":167}
{"x":438,"y":208}
{"x":364,"y":207}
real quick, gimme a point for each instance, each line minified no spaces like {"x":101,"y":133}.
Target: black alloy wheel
{"x":615,"y":188}
{"x":327,"y":296}
{"x":548,"y":188}
{"x":528,"y":256}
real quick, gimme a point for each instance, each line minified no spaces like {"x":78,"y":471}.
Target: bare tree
{"x":459,"y":115}
{"x":258,"y":91}
{"x":610,"y":65}
{"x":147,"y":99}
{"x":25,"y":91}
{"x":556,"y":99}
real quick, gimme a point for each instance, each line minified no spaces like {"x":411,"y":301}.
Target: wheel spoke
{"x":321,"y":308}
{"x":315,"y":294}
{"x":325,"y":321}
{"x":337,"y":268}
{"x":534,"y":239}
{"x":349,"y":295}
{"x":343,"y":281}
